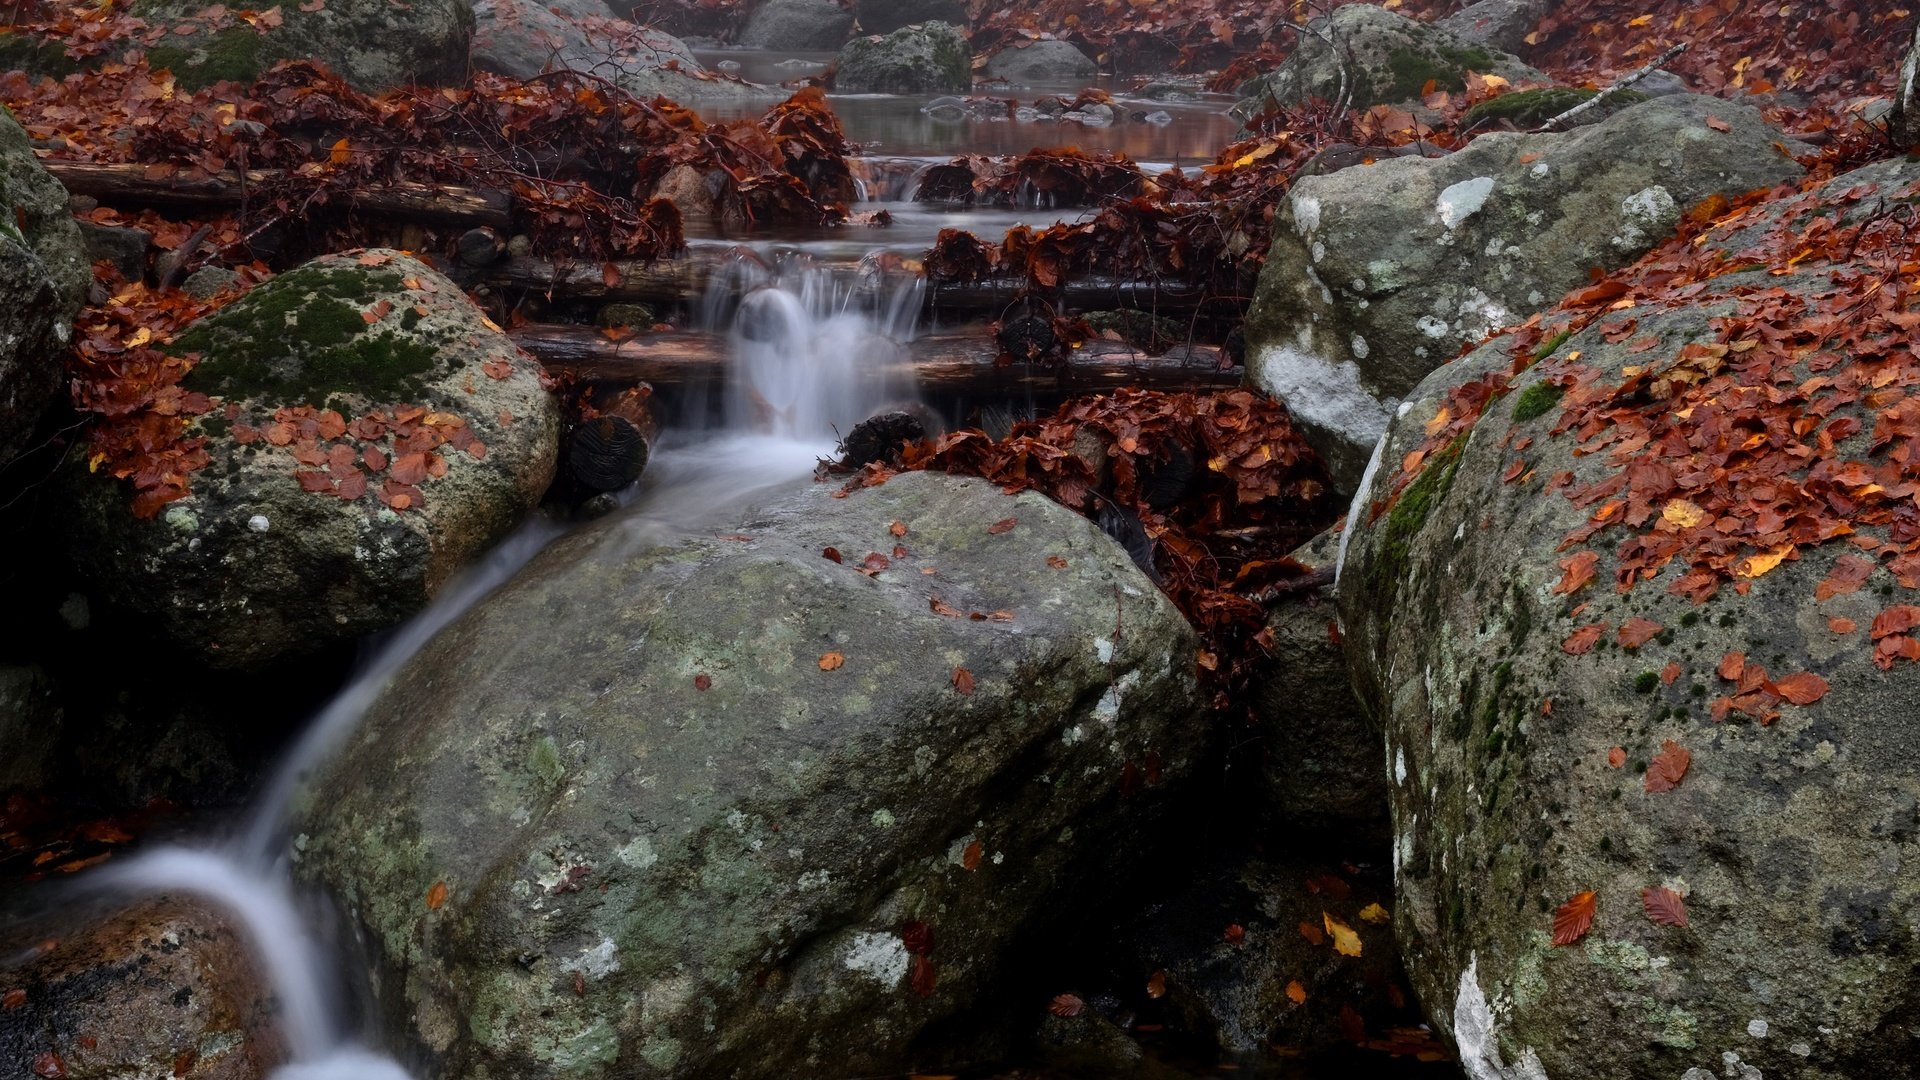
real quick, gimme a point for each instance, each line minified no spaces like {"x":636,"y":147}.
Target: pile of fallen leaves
{"x":1209,"y":490}
{"x":576,"y":158}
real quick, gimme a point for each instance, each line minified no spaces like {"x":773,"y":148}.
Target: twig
{"x":1593,"y":102}
{"x":1318,"y":579}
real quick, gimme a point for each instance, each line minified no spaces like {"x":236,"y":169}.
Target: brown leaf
{"x":703,"y":681}
{"x":1236,"y":935}
{"x":1056,"y":562}
{"x":1002,"y":526}
{"x":1157,"y":985}
{"x":1732,"y":666}
{"x":1579,"y":568}
{"x":1313,"y":934}
{"x":1842,"y":626}
{"x":1848,"y":574}
{"x":924,"y":976}
{"x":963,"y":680}
{"x":1616,"y":757}
{"x":1718,"y":124}
{"x":970,"y":858}
{"x":1668,"y":767}
{"x":13,"y":999}
{"x":941,"y":607}
{"x":1897,"y":619}
{"x":1296,"y":993}
{"x":1583,"y":640}
{"x":898,"y":528}
{"x":831,"y":553}
{"x":436,"y":896}
{"x":1664,"y":906}
{"x":1573,"y":919}
{"x":1066,"y":1005}
{"x":1802,"y":689}
{"x":831,"y":661}
{"x":1636,"y":632}
{"x":1670,"y":674}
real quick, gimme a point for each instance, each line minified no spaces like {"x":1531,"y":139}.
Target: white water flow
{"x":812,"y":357}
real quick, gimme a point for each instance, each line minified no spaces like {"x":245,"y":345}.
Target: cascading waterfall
{"x":812,"y":356}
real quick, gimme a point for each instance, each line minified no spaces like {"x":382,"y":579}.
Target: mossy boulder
{"x":926,"y":58}
{"x":43,"y":275}
{"x":1375,"y":56}
{"x":373,"y":44}
{"x":717,"y":805}
{"x":1525,"y":109}
{"x":1381,"y":274}
{"x":165,"y":987}
{"x":1042,"y":62}
{"x":332,"y":385}
{"x":1794,"y":843}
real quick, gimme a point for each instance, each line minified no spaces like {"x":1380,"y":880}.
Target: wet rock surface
{"x":373,"y":44}
{"x":1041,"y":61}
{"x":43,"y":272}
{"x":925,"y":58}
{"x":1368,"y":55}
{"x":691,"y":806}
{"x":797,"y":24}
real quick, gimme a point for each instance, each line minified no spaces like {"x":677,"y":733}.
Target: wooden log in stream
{"x":141,"y":185}
{"x":950,"y":363}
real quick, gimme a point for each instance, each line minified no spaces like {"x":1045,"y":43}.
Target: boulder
{"x":522,"y":38}
{"x":1325,"y":767}
{"x":1282,"y":980}
{"x":1498,"y":24}
{"x":821,"y":25}
{"x":1536,"y":733}
{"x":1049,"y":61}
{"x":373,"y":44}
{"x":43,"y":274}
{"x":1375,"y":56}
{"x":886,"y":16}
{"x":926,"y":58}
{"x":125,"y":248}
{"x":706,"y":806}
{"x":1906,"y":98}
{"x":370,"y":432}
{"x":165,"y":988}
{"x":1380,"y":274}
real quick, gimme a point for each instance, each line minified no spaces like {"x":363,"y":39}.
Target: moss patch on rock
{"x":1535,"y":400}
{"x":1531,"y":108}
{"x":301,"y":338}
{"x":236,"y":54}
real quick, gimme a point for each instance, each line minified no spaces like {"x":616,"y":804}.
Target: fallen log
{"x":143,"y":185}
{"x":957,"y":363}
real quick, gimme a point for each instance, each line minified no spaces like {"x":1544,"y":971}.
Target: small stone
{"x":638,"y":316}
{"x":209,"y":281}
{"x":258,"y":523}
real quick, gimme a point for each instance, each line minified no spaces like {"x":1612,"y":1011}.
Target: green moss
{"x":1412,"y":70}
{"x":1551,"y":345}
{"x":1690,"y":618}
{"x":1409,"y":516}
{"x":1535,"y":400}
{"x":35,"y":55}
{"x":1531,"y":108}
{"x":236,"y":54}
{"x":1646,"y":682}
{"x":301,"y":338}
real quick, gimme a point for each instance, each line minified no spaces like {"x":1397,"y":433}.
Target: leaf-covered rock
{"x":925,"y":58}
{"x":373,"y":44}
{"x":365,"y":431}
{"x":1726,"y":431}
{"x":1367,"y":55}
{"x":822,"y":25}
{"x":722,"y":806}
{"x":166,"y":987}
{"x":1378,"y":275}
{"x":43,"y":273}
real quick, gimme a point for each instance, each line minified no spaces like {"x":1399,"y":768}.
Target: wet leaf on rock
{"x":1668,"y":767}
{"x":1066,"y":1005}
{"x":831,"y":661}
{"x":1573,"y":919}
{"x":1664,"y":906}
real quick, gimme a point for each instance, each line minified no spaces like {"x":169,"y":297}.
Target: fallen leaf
{"x":1664,"y":906}
{"x":1668,"y":767}
{"x":1616,"y":757}
{"x":1375,"y":914}
{"x":1583,"y":640}
{"x":1296,"y":993}
{"x":924,"y":976}
{"x":1802,"y":689}
{"x":831,"y":661}
{"x":898,"y":528}
{"x":1578,"y":569}
{"x":436,"y":896}
{"x":1636,"y":632}
{"x":831,"y":553}
{"x":1056,"y":562}
{"x":703,"y":681}
{"x":49,"y":1065}
{"x":13,"y":999}
{"x":1683,"y":513}
{"x":1066,"y":1005}
{"x":1718,"y":124}
{"x":1002,"y":526}
{"x":1573,"y":919}
{"x":1346,"y":941}
{"x":963,"y":680}
{"x":970,"y":858}
{"x":1313,"y":934}
{"x":1732,"y":666}
{"x":1157,"y":985}
{"x":1670,"y":674}
{"x":1842,"y":626}
{"x":1236,"y":935}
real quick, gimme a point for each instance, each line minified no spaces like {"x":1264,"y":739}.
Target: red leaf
{"x":1718,"y":124}
{"x":924,"y":976}
{"x":13,"y":999}
{"x":436,"y":896}
{"x":1670,"y":674}
{"x":1579,"y":569}
{"x":1848,"y":574}
{"x":314,"y":481}
{"x":1897,"y":619}
{"x":703,"y":681}
{"x":1574,"y":918}
{"x":1802,"y":689}
{"x":898,"y":528}
{"x":1732,"y":666}
{"x":1636,"y":632}
{"x":970,"y":858}
{"x":1616,"y":757}
{"x":1583,"y":640}
{"x":50,"y":1066}
{"x":1668,"y":767}
{"x":1664,"y":906}
{"x":1066,"y":1005}
{"x":1236,"y":935}
{"x":963,"y":680}
{"x":1056,"y":562}
{"x":831,"y":553}
{"x":1003,"y":525}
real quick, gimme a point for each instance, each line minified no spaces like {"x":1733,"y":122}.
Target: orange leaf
{"x":1157,"y":985}
{"x":970,"y":858}
{"x":436,"y":896}
{"x":1579,"y":569}
{"x":1574,"y":918}
{"x":1583,"y":640}
{"x":342,"y":152}
{"x":1664,"y":906}
{"x":831,"y":661}
{"x":1616,"y":757}
{"x":963,"y":680}
{"x":1670,"y":674}
{"x":1066,"y":1005}
{"x":1313,"y":934}
{"x":1718,"y":124}
{"x":1296,"y":993}
{"x":1802,"y":689}
{"x":1842,"y":626}
{"x":1668,"y":767}
{"x":898,"y":528}
{"x":1056,"y":562}
{"x":1731,"y":666}
{"x":1636,"y":632}
{"x":1236,"y":935}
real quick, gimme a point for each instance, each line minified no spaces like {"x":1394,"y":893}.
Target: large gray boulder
{"x":370,"y":432}
{"x":926,"y":58}
{"x":1499,"y":24}
{"x":522,"y":38}
{"x":820,"y":25}
{"x":1380,"y":274}
{"x":1906,"y":98}
{"x":373,"y":44}
{"x":886,"y":16}
{"x":1527,"y":719}
{"x":43,"y":275}
{"x":1049,"y":61}
{"x":724,"y":806}
{"x":164,"y":988}
{"x":1373,"y":56}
